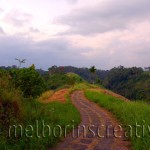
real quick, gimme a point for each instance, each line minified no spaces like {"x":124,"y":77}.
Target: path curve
{"x":94,"y":120}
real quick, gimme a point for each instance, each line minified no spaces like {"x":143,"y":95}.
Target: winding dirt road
{"x":96,"y":131}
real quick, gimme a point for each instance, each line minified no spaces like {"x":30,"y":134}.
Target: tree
{"x":132,"y":83}
{"x":29,"y":81}
{"x":93,"y":71}
{"x":20,"y":61}
{"x":52,"y":70}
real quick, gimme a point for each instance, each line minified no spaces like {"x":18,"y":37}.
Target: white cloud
{"x":35,"y":30}
{"x":1,"y":31}
{"x":1,"y":10}
{"x":127,"y":48}
{"x":104,"y":17}
{"x":72,"y":1}
{"x":17,"y":18}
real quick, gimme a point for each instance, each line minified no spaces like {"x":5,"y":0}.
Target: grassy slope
{"x":52,"y":114}
{"x":129,"y":113}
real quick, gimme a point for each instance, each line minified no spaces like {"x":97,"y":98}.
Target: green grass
{"x":52,"y":114}
{"x":83,"y":86}
{"x":128,"y":113}
{"x":75,"y":76}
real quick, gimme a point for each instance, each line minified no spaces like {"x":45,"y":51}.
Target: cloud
{"x":35,"y":30}
{"x":72,"y":1}
{"x":1,"y":31}
{"x":108,"y":34}
{"x":1,"y":10}
{"x":43,"y":54}
{"x":127,"y":48}
{"x":17,"y":18}
{"x":68,"y":1}
{"x":106,"y":16}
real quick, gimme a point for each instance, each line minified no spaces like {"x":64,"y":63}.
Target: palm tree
{"x":20,"y":61}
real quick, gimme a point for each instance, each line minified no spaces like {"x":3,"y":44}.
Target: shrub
{"x":29,"y":81}
{"x":57,"y":80}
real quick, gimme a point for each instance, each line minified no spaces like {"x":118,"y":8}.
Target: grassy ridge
{"x":129,"y":113}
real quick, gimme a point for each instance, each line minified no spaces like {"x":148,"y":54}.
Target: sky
{"x":81,"y":33}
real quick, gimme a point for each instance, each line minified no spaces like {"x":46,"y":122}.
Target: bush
{"x":57,"y":80}
{"x":29,"y":81}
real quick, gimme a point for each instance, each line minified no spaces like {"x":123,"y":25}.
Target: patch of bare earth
{"x":58,"y":96}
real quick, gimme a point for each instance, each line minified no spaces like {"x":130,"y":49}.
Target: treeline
{"x":133,"y":83}
{"x":83,"y":72}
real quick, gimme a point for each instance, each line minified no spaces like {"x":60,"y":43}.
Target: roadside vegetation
{"x":129,"y":113}
{"x":24,"y":121}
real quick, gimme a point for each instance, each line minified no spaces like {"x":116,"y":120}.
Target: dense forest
{"x":133,"y":83}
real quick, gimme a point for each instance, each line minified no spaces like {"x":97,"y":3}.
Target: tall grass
{"x":52,"y":114}
{"x":46,"y":95}
{"x":82,"y":86}
{"x":129,"y":113}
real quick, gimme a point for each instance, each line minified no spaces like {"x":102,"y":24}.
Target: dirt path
{"x":94,"y":120}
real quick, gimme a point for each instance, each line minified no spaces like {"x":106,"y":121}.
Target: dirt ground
{"x":59,"y":95}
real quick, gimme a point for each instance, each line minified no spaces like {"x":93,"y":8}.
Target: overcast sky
{"x":104,"y":33}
